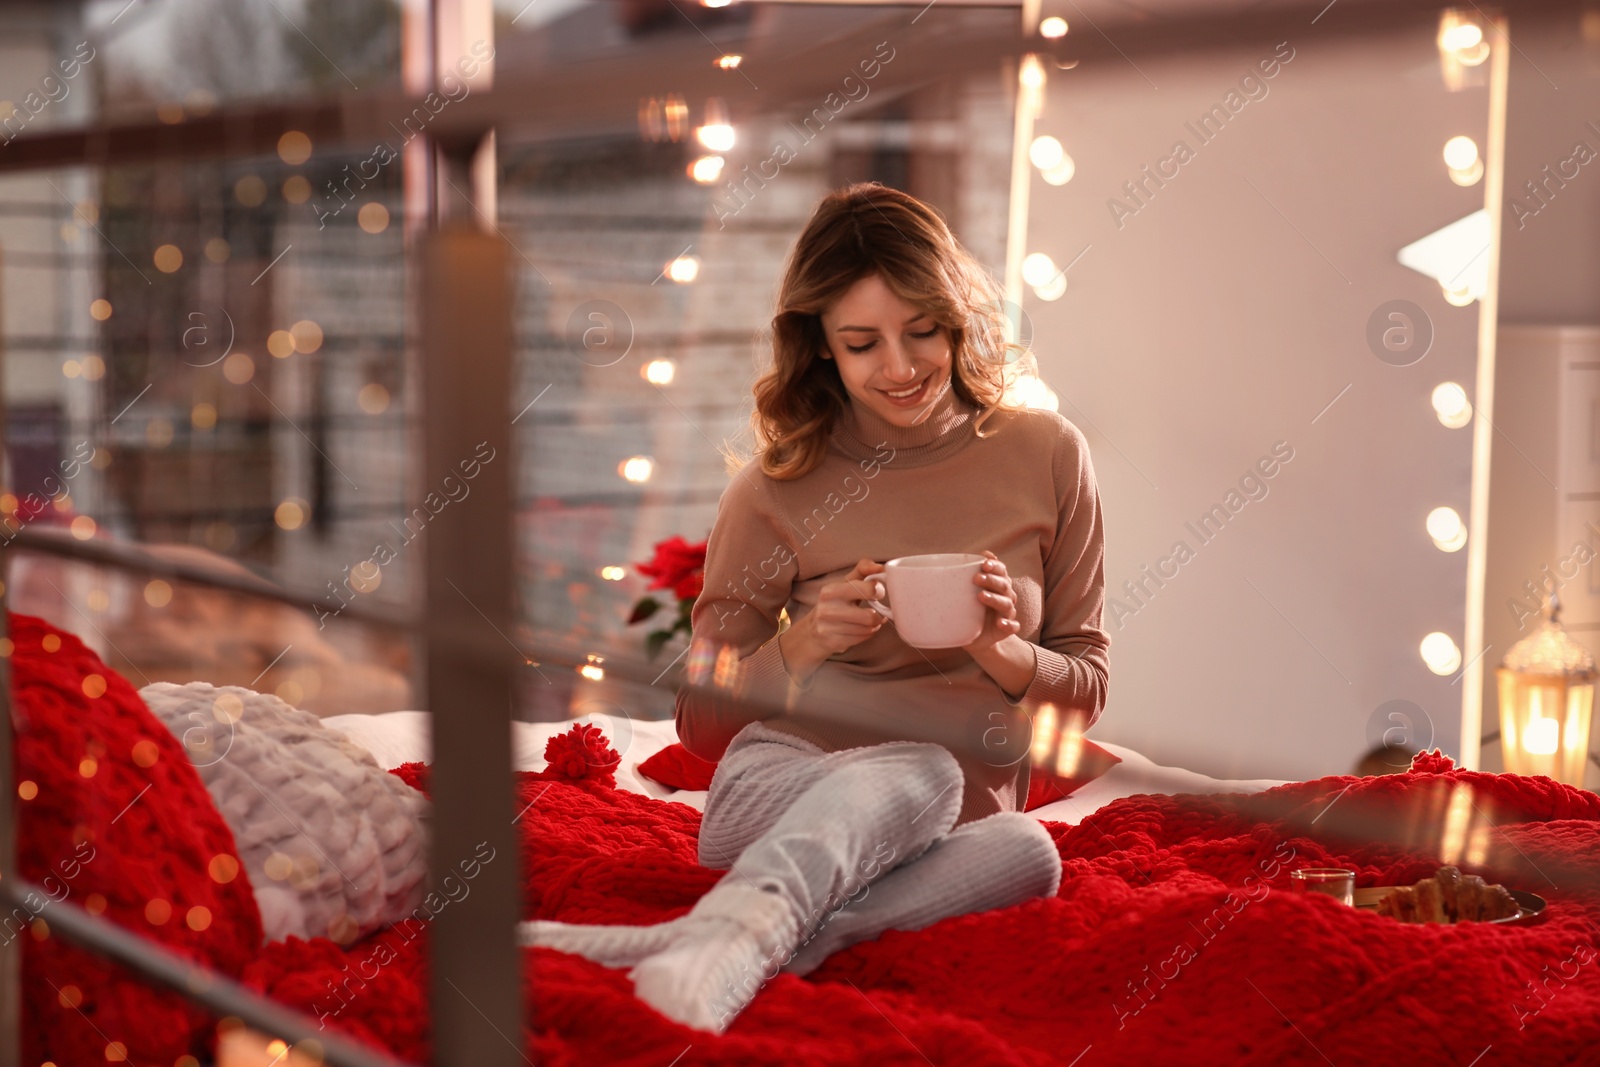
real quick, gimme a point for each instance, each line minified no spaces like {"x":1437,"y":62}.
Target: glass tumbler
{"x":1335,"y":882}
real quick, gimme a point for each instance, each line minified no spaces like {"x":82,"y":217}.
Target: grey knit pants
{"x":861,"y":841}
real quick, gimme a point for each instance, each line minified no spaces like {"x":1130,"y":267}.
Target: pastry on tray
{"x":1448,"y":897}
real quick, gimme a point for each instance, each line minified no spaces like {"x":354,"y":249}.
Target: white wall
{"x":1224,"y":317}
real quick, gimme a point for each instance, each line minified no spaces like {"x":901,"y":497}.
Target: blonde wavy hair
{"x":857,"y":231}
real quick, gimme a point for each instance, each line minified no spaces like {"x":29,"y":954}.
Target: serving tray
{"x":1530,"y":905}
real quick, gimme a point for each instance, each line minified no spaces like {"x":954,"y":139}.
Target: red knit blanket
{"x":1173,"y":939}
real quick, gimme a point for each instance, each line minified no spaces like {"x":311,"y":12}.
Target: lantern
{"x":1546,"y":696}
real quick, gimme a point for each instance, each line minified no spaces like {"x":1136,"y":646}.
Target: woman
{"x":863,"y":784}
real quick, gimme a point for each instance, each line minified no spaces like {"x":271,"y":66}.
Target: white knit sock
{"x":737,"y":937}
{"x":609,"y":946}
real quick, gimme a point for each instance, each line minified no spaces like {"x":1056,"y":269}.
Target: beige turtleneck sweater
{"x":1026,"y":491}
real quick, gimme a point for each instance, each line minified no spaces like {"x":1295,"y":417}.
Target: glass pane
{"x":132,"y":60}
{"x":197,"y":368}
{"x":648,"y":262}
{"x":1232,"y":322}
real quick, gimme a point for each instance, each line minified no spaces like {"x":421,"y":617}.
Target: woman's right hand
{"x":839,"y":622}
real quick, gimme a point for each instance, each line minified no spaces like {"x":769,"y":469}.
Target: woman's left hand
{"x":1000,"y":604}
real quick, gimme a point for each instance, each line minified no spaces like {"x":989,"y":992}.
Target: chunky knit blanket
{"x":1174,"y":939}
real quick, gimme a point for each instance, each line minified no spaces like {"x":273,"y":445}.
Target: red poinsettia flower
{"x":678,"y":566}
{"x":582,"y":754}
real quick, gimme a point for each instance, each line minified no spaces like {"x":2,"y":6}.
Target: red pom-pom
{"x":582,"y":754}
{"x":413,"y":774}
{"x":1434,"y":762}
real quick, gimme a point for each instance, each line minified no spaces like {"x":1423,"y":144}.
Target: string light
{"x":294,"y":148}
{"x":717,"y":131}
{"x":637,"y":469}
{"x":684,"y":269}
{"x":167,"y":258}
{"x":373,"y":218}
{"x":706,"y":169}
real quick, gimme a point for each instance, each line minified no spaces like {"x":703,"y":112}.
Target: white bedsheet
{"x":402,"y":737}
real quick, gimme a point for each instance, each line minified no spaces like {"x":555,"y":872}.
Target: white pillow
{"x":334,"y":845}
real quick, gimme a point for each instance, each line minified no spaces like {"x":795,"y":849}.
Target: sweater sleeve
{"x":750,"y":569}
{"x":1073,"y":666}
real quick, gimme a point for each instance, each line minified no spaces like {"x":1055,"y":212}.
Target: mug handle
{"x":881,"y":608}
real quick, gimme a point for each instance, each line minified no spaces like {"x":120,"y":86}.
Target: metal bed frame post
{"x":464,"y":291}
{"x":11,"y":950}
{"x":476,"y":992}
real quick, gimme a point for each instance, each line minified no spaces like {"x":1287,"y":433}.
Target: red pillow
{"x":1045,"y":787}
{"x":678,"y":768}
{"x":112,"y":817}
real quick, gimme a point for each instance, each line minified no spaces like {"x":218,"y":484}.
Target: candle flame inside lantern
{"x":1541,"y":737}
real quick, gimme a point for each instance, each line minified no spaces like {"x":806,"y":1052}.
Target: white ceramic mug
{"x":935,"y":601}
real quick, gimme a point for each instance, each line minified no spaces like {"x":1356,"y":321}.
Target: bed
{"x":1173,"y":938}
{"x":399,"y":737}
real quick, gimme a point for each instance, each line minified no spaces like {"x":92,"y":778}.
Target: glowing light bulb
{"x":1053,"y":27}
{"x":1062,"y":172}
{"x":1032,"y":73}
{"x":1450,"y":403}
{"x":1462,"y":36}
{"x":637,"y":469}
{"x":290,"y":514}
{"x":1440,"y":653}
{"x":1449,"y":533}
{"x":718,"y":137}
{"x":1460,"y":153}
{"x":1541,"y":736}
{"x":684,"y":269}
{"x":168,"y":258}
{"x":659,"y":371}
{"x":1038,"y":269}
{"x":294,"y":148}
{"x":373,"y":217}
{"x":706,"y":169}
{"x":1471,"y":176}
{"x":1053,"y":289}
{"x":1045,"y":152}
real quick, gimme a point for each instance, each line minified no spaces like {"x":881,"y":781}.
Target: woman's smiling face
{"x":884,"y":346}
